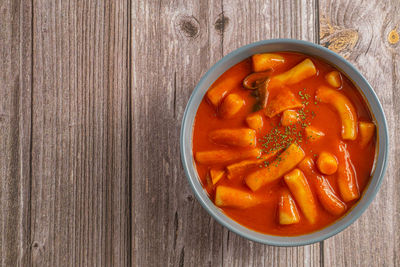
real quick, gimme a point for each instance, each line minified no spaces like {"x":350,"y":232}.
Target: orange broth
{"x":263,"y":217}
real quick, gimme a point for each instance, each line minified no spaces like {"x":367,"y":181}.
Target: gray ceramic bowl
{"x":306,"y":48}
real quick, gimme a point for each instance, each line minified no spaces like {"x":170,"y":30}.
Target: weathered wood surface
{"x":15,"y":131}
{"x":64,"y":118}
{"x":92,"y":95}
{"x":360,"y":31}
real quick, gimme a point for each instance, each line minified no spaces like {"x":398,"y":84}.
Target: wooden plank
{"x":15,"y":131}
{"x":266,"y":20}
{"x":360,"y":31}
{"x":80,"y":142}
{"x":173,"y":45}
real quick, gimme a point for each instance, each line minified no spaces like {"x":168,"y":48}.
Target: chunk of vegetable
{"x":347,"y":179}
{"x":222,"y":87}
{"x":224,"y":156}
{"x":367,"y":130}
{"x":255,"y":121}
{"x":327,"y":163}
{"x":267,"y":61}
{"x":230,"y":197}
{"x":345,"y":109}
{"x":326,"y":195}
{"x":334,"y":79}
{"x":239,"y":168}
{"x":254,"y":80}
{"x":282,"y":164}
{"x":231,"y":105}
{"x":281,"y":102}
{"x":301,"y":71}
{"x":288,"y":213}
{"x":289,"y":117}
{"x":313,"y":134}
{"x":300,"y":189}
{"x":216,"y":175}
{"x":234,"y":137}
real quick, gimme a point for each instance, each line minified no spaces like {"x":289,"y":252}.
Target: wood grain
{"x":80,"y":141}
{"x":173,"y":45}
{"x":359,"y":30}
{"x":15,"y":131}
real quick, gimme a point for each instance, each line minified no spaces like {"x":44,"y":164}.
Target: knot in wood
{"x":393,"y":37}
{"x":221,"y":23}
{"x":188,"y":26}
{"x":342,"y":42}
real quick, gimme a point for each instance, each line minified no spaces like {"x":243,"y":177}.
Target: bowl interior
{"x":293,"y":46}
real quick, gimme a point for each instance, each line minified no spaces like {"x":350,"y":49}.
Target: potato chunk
{"x":288,"y":213}
{"x":301,"y":71}
{"x":299,"y":187}
{"x":266,"y":61}
{"x":216,"y":175}
{"x":282,"y":164}
{"x":230,"y":197}
{"x":313,"y":134}
{"x":234,"y":137}
{"x":345,"y":109}
{"x":367,"y":130}
{"x":255,"y":121}
{"x":231,"y":105}
{"x":282,"y":101}
{"x":289,"y":117}
{"x":326,"y":195}
{"x":347,"y":180}
{"x":224,"y":156}
{"x":334,"y":78}
{"x":327,"y":163}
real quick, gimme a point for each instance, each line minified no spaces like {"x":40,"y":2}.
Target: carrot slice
{"x":345,"y":109}
{"x":223,"y":156}
{"x":299,"y":187}
{"x":347,"y":179}
{"x":231,"y":105}
{"x":326,"y":195}
{"x":288,"y":213}
{"x":367,"y":130}
{"x":234,"y":137}
{"x":266,"y":61}
{"x":216,"y":175}
{"x":230,"y":197}
{"x":282,"y":164}
{"x":281,"y":102}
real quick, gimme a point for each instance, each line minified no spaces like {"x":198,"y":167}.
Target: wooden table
{"x":92,"y":95}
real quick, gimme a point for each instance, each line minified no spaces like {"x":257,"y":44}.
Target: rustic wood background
{"x":92,"y":95}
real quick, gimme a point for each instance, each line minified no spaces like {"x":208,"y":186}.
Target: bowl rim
{"x":316,"y":236}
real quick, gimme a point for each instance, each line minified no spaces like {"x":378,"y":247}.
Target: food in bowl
{"x":284,"y":143}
